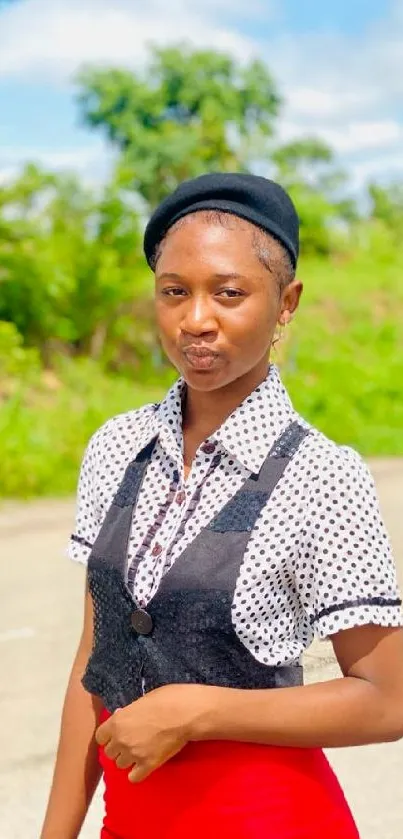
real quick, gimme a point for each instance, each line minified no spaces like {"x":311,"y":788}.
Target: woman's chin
{"x":209,"y":377}
{"x":202,"y":381}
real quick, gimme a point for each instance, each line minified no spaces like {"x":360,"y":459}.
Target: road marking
{"x":17,"y":634}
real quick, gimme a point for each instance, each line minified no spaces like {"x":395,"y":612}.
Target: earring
{"x":279,"y":334}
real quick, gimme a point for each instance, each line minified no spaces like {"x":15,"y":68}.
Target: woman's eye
{"x":231,"y":292}
{"x":173,"y":292}
{"x":228,"y":293}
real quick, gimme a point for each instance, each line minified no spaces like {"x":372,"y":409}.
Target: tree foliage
{"x":70,"y":261}
{"x":386,"y":207}
{"x":187,"y":113}
{"x":194,"y":112}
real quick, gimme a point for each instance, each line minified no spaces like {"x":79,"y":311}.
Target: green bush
{"x":17,"y":363}
{"x":44,"y":430}
{"x":344,"y":358}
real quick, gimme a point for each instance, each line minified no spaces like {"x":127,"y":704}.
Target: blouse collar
{"x":247,"y":434}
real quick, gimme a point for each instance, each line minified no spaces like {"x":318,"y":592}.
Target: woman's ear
{"x":285,"y":317}
{"x":290,"y":301}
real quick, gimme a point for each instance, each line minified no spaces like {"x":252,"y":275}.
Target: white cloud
{"x":359,"y":136}
{"x":7,"y":173}
{"x":381,"y":168}
{"x":335,"y":74}
{"x":71,"y":158}
{"x":347,"y":90}
{"x":92,"y":162}
{"x":309,"y":102}
{"x":352,"y":137}
{"x":322,"y":74}
{"x":41,"y":38}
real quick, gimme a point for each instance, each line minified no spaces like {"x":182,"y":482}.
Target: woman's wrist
{"x":206,"y":704}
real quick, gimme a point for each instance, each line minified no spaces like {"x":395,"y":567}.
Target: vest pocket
{"x":240,"y":513}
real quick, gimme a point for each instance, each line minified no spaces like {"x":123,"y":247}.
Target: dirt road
{"x":41,"y":602}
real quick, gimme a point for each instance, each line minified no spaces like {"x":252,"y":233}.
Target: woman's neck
{"x":205,"y":411}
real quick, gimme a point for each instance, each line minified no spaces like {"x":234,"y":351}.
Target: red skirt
{"x":229,"y":790}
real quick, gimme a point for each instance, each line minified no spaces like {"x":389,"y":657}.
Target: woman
{"x":221,"y":532}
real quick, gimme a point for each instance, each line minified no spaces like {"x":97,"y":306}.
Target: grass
{"x":43,"y":434}
{"x":343,"y":363}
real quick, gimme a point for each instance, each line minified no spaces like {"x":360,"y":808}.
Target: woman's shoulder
{"x":123,"y":430}
{"x":326,"y":460}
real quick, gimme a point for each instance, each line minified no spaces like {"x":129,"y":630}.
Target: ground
{"x":40,"y":617}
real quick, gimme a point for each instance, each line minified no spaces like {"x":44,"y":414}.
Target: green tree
{"x":194,"y":112}
{"x":70,"y":262}
{"x":386,"y":206}
{"x":307,"y":168}
{"x":30,"y":291}
{"x":187,"y":113}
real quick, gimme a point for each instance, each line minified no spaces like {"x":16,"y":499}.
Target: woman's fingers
{"x":112,"y":750}
{"x":143,"y":769}
{"x":140,"y":772}
{"x":124,"y":761}
{"x":104,"y":732}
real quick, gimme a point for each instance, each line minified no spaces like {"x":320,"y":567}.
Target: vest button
{"x":141,"y":622}
{"x":208,"y":448}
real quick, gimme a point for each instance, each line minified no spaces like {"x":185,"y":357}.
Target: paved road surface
{"x":41,"y":601}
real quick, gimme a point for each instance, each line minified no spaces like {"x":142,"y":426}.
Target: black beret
{"x":251,"y":197}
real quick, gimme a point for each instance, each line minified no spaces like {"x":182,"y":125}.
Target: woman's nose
{"x":199,"y":317}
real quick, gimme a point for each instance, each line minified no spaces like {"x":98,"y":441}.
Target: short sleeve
{"x":345,"y":574}
{"x":88,"y":517}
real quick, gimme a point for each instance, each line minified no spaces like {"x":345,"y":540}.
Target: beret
{"x":251,"y":197}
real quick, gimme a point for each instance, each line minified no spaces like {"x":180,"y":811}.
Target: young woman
{"x":221,"y":533}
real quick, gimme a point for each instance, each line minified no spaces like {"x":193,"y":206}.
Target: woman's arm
{"x":366,"y":706}
{"x":77,"y":771}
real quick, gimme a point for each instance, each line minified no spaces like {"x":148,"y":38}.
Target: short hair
{"x":277,"y":260}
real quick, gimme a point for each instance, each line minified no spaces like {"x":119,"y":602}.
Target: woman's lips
{"x":201,"y":359}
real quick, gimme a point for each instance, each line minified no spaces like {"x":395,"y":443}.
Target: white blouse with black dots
{"x":318,"y":559}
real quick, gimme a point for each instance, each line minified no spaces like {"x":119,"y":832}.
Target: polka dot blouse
{"x":318,"y":559}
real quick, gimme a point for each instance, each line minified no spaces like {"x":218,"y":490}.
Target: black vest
{"x":185,"y":634}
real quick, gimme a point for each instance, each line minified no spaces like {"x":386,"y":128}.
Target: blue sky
{"x":351,"y":17}
{"x":339,"y":66}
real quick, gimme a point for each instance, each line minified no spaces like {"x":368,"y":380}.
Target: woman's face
{"x":217,"y":306}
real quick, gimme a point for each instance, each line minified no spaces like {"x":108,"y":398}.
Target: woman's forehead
{"x":209,"y":242}
{"x":213,"y":218}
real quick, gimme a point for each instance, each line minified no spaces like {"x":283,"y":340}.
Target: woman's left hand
{"x":151,"y":730}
